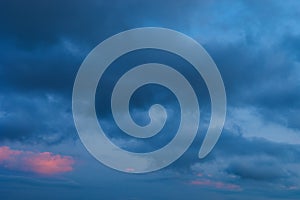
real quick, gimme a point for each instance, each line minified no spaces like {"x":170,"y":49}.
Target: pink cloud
{"x":6,"y":153}
{"x":45,"y":163}
{"x":215,"y":184}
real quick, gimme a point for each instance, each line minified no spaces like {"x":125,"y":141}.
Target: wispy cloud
{"x":215,"y":184}
{"x":44,"y":163}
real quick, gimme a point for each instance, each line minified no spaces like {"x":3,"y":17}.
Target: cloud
{"x":45,"y":163}
{"x":255,"y":45}
{"x":34,"y":118}
{"x":6,"y":153}
{"x":215,"y":184}
{"x":252,"y":163}
{"x":256,"y":168}
{"x":252,"y":123}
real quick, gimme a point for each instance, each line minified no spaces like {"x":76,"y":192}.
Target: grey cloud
{"x":257,"y":169}
{"x":45,"y":118}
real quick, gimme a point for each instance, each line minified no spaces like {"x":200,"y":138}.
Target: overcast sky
{"x":256,"y":46}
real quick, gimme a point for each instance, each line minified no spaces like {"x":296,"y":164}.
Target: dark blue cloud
{"x":255,"y":45}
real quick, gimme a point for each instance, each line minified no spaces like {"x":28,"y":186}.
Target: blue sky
{"x":255,"y":45}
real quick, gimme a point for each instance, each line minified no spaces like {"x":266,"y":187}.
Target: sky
{"x":256,"y":46}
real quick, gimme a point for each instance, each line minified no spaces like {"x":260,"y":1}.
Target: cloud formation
{"x":45,"y":163}
{"x":255,"y":44}
{"x":215,"y":184}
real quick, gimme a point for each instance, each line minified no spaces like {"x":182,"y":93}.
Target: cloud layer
{"x":45,"y":163}
{"x":255,"y":45}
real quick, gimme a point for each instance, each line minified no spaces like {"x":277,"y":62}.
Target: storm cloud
{"x":255,"y":45}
